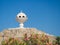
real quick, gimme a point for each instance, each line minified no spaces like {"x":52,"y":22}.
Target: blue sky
{"x":42,"y":14}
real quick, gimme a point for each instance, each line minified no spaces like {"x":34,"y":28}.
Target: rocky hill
{"x":19,"y":32}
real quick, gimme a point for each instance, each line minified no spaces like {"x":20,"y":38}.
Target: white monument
{"x":21,"y":18}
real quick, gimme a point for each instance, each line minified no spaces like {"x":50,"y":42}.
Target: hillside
{"x":19,"y":32}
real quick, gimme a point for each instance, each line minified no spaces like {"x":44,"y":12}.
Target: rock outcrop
{"x":19,"y":32}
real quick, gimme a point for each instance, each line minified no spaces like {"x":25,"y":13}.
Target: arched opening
{"x":23,"y":16}
{"x":19,"y":16}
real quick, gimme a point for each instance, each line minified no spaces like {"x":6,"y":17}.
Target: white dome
{"x":21,"y":18}
{"x":21,"y":14}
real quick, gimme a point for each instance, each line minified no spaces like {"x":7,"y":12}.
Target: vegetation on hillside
{"x":33,"y":39}
{"x":58,"y":40}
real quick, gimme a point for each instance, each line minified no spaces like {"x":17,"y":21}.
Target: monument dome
{"x":21,"y":18}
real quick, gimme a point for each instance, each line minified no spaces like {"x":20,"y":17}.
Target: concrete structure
{"x":21,"y":18}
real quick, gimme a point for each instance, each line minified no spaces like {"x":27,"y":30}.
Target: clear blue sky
{"x":42,"y":14}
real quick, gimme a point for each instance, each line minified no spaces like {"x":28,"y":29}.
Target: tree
{"x":58,"y":40}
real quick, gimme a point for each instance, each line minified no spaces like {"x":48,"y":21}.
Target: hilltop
{"x":19,"y":32}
